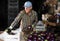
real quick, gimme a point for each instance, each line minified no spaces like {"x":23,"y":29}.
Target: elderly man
{"x":28,"y":17}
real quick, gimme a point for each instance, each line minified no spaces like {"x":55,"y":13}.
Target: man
{"x":54,"y":23}
{"x":28,"y":17}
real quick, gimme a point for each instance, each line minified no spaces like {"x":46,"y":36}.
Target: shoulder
{"x":34,"y":12}
{"x":22,"y":11}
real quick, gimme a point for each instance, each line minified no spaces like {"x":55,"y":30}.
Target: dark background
{"x":3,"y":14}
{"x":4,"y":10}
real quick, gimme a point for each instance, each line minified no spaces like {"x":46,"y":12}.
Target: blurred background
{"x":10,"y":8}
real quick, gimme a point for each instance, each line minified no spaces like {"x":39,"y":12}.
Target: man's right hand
{"x":9,"y":29}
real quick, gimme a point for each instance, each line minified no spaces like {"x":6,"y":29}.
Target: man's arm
{"x":36,"y":20}
{"x":51,"y":23}
{"x":16,"y":20}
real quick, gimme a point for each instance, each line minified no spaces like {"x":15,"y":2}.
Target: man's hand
{"x":8,"y":30}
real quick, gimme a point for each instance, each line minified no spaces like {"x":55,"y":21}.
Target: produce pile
{"x":41,"y":36}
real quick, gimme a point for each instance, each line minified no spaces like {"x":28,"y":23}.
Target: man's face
{"x":28,"y":9}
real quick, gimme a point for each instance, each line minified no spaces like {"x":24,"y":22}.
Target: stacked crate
{"x":12,"y":10}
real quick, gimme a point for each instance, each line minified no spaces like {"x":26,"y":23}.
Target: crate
{"x":40,"y":26}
